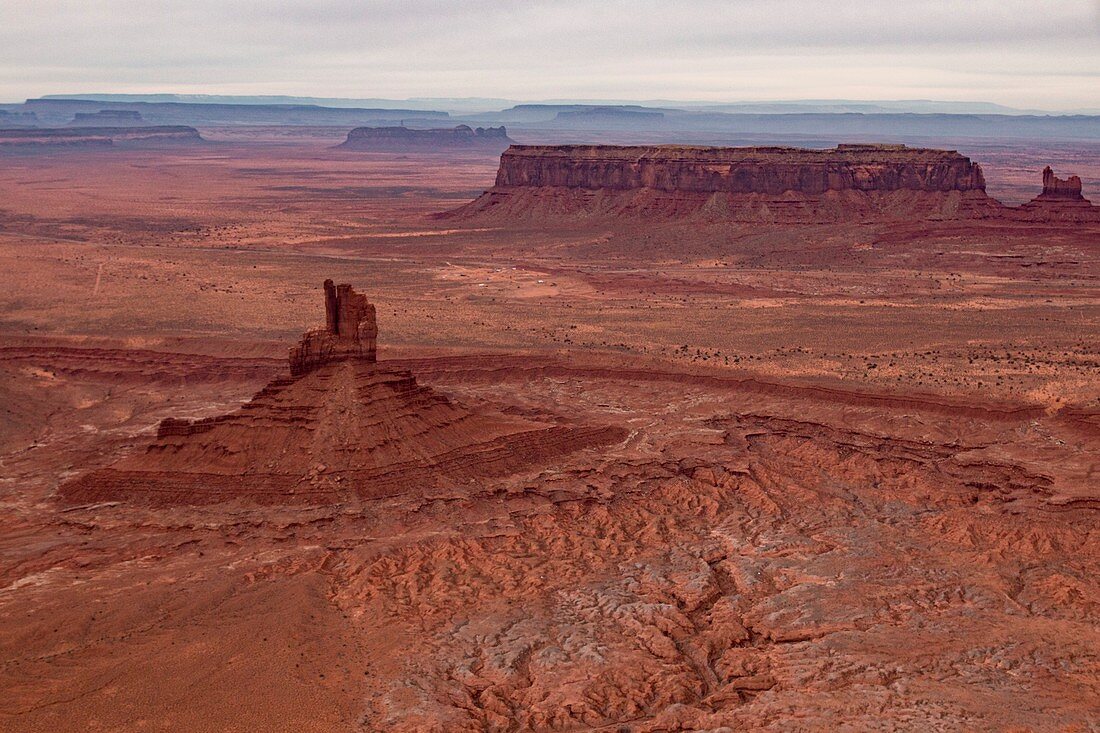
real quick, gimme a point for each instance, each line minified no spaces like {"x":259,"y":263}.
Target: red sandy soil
{"x":856,"y":487}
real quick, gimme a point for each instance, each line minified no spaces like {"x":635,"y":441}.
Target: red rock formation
{"x":739,"y":170}
{"x":1056,"y":188}
{"x":350,"y":332}
{"x":785,"y":184}
{"x":341,"y":428}
{"x":1060,"y":201}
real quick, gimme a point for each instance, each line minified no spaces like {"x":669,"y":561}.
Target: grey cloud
{"x":642,"y":48}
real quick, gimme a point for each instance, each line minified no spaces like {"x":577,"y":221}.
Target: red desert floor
{"x":853,"y":483}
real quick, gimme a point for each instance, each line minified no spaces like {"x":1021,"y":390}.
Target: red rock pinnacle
{"x":341,"y":428}
{"x":1056,"y":188}
{"x":350,"y":332}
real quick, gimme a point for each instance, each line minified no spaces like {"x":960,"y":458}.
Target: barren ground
{"x":859,"y":489}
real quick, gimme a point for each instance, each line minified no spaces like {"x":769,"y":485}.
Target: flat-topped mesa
{"x":753,"y":184}
{"x":766,"y":170}
{"x":404,"y":139}
{"x":107,"y":118}
{"x":350,"y":332}
{"x":112,"y":136}
{"x":1062,"y":190}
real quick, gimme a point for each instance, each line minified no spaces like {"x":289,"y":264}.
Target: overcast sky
{"x":1023,"y":53}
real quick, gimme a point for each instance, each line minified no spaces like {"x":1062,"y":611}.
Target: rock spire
{"x":350,"y":332}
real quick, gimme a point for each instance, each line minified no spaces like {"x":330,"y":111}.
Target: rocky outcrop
{"x":341,"y":428}
{"x":350,"y":332}
{"x":404,"y":139}
{"x":1060,"y":201}
{"x":35,"y":140}
{"x":737,"y":183}
{"x":1055,"y":188}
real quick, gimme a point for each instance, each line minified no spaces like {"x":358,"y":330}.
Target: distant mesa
{"x":773,"y":171}
{"x":565,"y":114}
{"x":404,"y":139}
{"x":60,"y":111}
{"x":751,"y":184}
{"x":107,"y":118}
{"x":342,"y":427}
{"x":14,"y":119}
{"x":80,"y":138}
{"x":609,"y":114}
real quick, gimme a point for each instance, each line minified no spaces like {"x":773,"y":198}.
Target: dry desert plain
{"x":855,"y":484}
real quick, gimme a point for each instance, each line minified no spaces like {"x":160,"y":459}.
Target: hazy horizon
{"x":1041,"y":54}
{"x":477,"y":105}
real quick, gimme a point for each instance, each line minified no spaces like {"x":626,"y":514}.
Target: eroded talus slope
{"x":348,"y":430}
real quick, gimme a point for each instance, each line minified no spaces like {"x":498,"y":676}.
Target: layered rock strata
{"x":769,"y":183}
{"x":341,"y":428}
{"x":107,"y":118}
{"x":401,"y":139}
{"x":740,"y":170}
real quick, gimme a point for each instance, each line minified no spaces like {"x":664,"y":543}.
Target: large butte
{"x":341,"y":427}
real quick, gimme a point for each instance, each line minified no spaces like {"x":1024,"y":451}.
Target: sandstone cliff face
{"x":740,"y":170}
{"x":789,"y":185}
{"x":405,"y":139}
